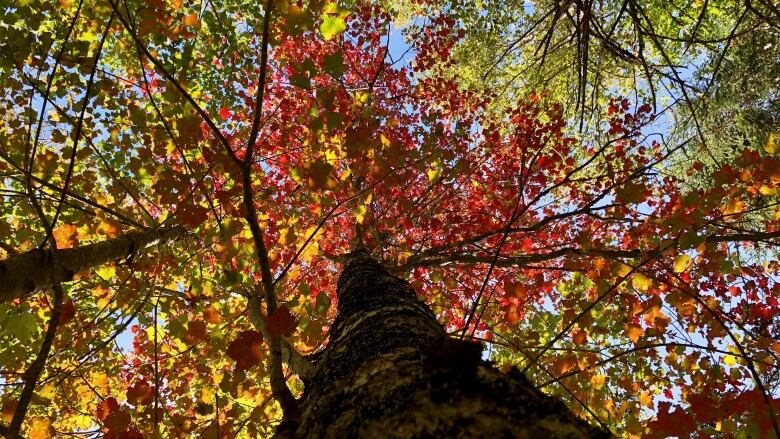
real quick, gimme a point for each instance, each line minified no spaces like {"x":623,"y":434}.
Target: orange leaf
{"x":211,"y":314}
{"x":580,"y":337}
{"x":513,"y":314}
{"x":41,"y":428}
{"x":634,"y":332}
{"x":7,"y":412}
{"x":65,"y":235}
{"x":190,"y":20}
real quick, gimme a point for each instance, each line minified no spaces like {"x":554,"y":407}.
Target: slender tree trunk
{"x":390,"y":370}
{"x":43,"y":268}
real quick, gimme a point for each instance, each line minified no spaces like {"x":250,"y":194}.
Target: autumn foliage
{"x":596,"y":261}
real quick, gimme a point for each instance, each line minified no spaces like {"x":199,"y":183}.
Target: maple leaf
{"x":67,"y":311}
{"x":512,"y":287}
{"x":41,"y":428}
{"x":513,"y":314}
{"x":319,"y":172}
{"x":192,"y":215}
{"x":190,"y":20}
{"x":580,"y":337}
{"x":246,"y":349}
{"x":212,"y":315}
{"x":140,"y":393}
{"x":681,"y":263}
{"x":106,"y":407}
{"x":281,"y":322}
{"x":7,"y":412}
{"x":704,"y":408}
{"x":66,"y":235}
{"x":676,"y":423}
{"x":196,"y":332}
{"x":634,"y":332}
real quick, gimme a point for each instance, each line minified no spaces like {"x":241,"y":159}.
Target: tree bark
{"x":39,"y":269}
{"x":390,"y":370}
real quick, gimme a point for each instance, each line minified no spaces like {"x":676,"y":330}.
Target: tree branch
{"x":33,"y":372}
{"x":278,"y":384}
{"x":44,"y":268}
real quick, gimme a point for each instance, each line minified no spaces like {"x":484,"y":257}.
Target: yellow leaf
{"x":106,"y":272}
{"x":682,"y":263}
{"x":360,"y":213}
{"x":646,"y":399}
{"x":729,"y":360}
{"x":641,"y":282}
{"x":286,"y":236}
{"x":41,"y":428}
{"x":207,"y":395}
{"x":47,"y":391}
{"x":771,"y":144}
{"x":598,"y":381}
{"x":313,"y":248}
{"x":623,"y":269}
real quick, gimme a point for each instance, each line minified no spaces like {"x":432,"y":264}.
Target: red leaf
{"x":281,"y":322}
{"x":192,"y":215}
{"x":141,"y":393}
{"x":224,"y":113}
{"x":246,"y":349}
{"x":117,"y":421}
{"x":196,"y":332}
{"x":106,"y":407}
{"x":704,"y":408}
{"x":67,"y":312}
{"x":677,"y":423}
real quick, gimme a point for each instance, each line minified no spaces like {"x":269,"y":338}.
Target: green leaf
{"x":334,"y":64}
{"x":21,"y":325}
{"x":322,"y":303}
{"x":332,"y":26}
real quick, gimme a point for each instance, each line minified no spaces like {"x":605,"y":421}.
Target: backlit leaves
{"x":625,"y":253}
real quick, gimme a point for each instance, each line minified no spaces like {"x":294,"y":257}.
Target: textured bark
{"x":43,"y":268}
{"x":391,"y":371}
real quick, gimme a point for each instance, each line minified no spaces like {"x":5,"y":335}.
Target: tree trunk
{"x":390,"y":370}
{"x":43,"y":268}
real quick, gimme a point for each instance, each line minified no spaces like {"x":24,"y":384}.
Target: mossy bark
{"x":391,"y":371}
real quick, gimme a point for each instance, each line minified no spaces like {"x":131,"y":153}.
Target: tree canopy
{"x":589,"y":188}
